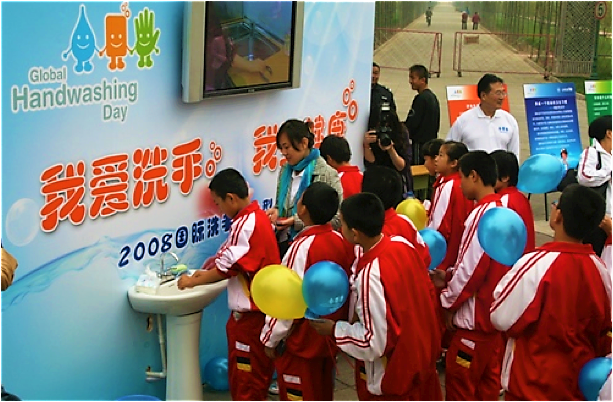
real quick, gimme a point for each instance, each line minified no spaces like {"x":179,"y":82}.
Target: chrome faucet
{"x":165,"y":275}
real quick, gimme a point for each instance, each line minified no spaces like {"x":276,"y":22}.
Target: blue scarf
{"x":308,"y":165}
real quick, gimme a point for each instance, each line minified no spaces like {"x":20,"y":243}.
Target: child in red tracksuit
{"x":386,"y":184}
{"x":506,"y":186}
{"x":555,"y":306}
{"x":449,"y":209}
{"x":305,"y":368}
{"x":473,"y":358}
{"x":249,"y":247}
{"x":394,"y":330}
{"x":337,"y":153}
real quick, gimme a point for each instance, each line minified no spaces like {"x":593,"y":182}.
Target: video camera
{"x":385,"y":123}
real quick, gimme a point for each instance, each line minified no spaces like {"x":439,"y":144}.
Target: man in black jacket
{"x":424,"y":118}
{"x":378,"y":95}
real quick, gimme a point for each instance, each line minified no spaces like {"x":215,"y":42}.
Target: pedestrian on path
{"x":464,"y":19}
{"x":476,"y":20}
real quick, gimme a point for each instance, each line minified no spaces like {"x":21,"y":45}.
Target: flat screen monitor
{"x":240,"y":47}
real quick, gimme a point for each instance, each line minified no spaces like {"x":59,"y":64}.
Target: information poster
{"x":461,"y":98}
{"x":598,"y":99}
{"x":553,"y":126}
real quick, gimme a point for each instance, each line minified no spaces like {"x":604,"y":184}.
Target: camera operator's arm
{"x":369,"y":138}
{"x":397,"y":160}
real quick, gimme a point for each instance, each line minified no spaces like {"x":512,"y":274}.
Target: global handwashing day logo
{"x":114,"y":95}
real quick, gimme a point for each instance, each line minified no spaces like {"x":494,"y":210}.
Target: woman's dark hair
{"x":295,"y":130}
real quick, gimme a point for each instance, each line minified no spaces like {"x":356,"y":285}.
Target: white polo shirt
{"x":481,"y":132}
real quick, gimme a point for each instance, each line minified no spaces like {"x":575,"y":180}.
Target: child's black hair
{"x":454,"y":150}
{"x":582,"y":210}
{"x":506,"y":165}
{"x":364,"y":212}
{"x":482,"y":163}
{"x":229,"y":181}
{"x":321,"y":200}
{"x":336,"y":147}
{"x":385,"y":183}
{"x":598,"y":128}
{"x":432,"y":147}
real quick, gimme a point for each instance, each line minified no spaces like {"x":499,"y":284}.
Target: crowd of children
{"x":527,"y":329}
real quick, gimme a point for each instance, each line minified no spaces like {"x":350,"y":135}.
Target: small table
{"x":421,"y":178}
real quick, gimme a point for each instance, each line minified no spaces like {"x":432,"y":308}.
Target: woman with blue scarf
{"x":304,"y":166}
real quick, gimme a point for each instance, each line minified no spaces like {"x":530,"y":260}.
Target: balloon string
{"x":331,"y":350}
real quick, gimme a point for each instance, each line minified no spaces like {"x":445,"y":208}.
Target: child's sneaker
{"x":274,"y":388}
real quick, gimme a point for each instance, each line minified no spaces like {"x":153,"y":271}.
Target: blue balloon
{"x":436,"y":244}
{"x":502,"y":234}
{"x":540,"y":174}
{"x":593,"y":376}
{"x":325,"y":287}
{"x":216,"y":374}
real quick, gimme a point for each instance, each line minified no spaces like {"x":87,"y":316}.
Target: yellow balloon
{"x":277,"y":291}
{"x":413,"y":209}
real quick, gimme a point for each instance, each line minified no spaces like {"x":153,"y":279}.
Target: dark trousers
{"x":475,"y":25}
{"x":464,"y":25}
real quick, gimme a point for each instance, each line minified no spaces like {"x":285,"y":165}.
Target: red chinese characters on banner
{"x":149,"y":173}
{"x":210,"y":167}
{"x":109,"y":186}
{"x":187,"y":164}
{"x":63,"y":195}
{"x":265,"y":144}
{"x":265,"y":136}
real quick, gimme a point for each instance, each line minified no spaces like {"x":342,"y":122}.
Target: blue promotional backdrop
{"x":553,"y":125}
{"x":104,"y":168}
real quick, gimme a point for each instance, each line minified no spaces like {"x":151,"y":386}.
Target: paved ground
{"x":446,"y":20}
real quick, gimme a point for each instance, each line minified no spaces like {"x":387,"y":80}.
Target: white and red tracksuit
{"x":448,"y":211}
{"x":250,"y":246}
{"x":607,"y":256}
{"x":395,"y":338}
{"x":513,"y":199}
{"x":400,"y":225}
{"x":555,"y":306}
{"x":473,"y":358}
{"x":305,"y":370}
{"x":351,"y":180}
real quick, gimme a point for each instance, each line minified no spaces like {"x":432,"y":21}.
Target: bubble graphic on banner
{"x":22,"y":222}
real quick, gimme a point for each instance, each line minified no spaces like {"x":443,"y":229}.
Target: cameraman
{"x":388,"y":145}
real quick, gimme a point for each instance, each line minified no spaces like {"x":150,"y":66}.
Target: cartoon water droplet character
{"x":116,"y":38}
{"x":146,"y":38}
{"x":82,"y":44}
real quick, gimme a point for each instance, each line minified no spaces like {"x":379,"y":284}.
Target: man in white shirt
{"x":487,"y":127}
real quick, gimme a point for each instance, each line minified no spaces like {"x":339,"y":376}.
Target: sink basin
{"x":255,"y":46}
{"x":170,"y":300}
{"x":183,"y":312}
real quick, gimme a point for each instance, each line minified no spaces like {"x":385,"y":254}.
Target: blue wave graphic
{"x":106,"y":251}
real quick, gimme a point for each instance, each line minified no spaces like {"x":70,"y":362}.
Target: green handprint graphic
{"x":146,"y":38}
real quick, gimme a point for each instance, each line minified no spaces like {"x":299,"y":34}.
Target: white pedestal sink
{"x":183,"y":310}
